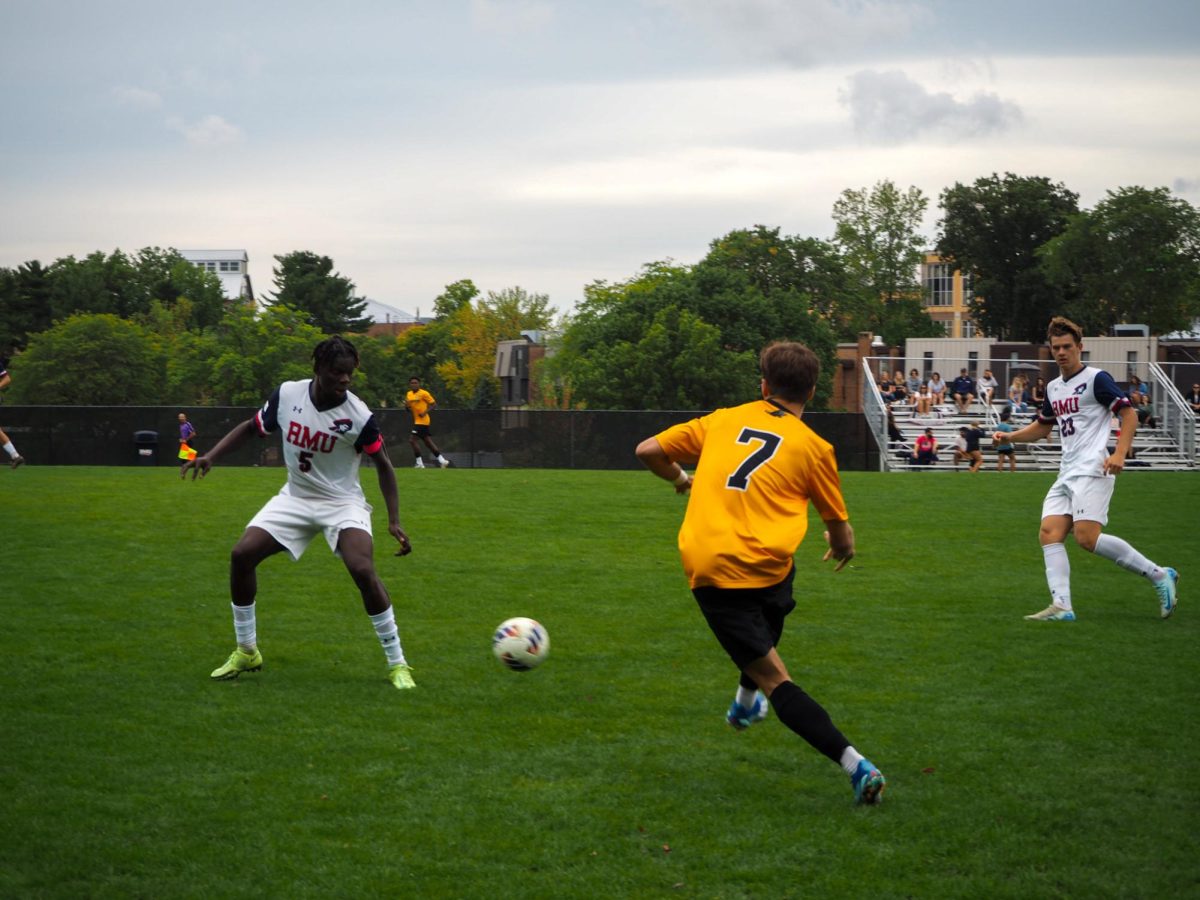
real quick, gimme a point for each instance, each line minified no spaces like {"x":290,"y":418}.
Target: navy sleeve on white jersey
{"x":268,"y":417}
{"x":1107,"y":392}
{"x":369,"y":438}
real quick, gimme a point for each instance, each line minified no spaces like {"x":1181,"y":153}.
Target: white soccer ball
{"x":521,"y":643}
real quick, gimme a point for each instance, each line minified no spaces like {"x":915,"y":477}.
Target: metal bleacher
{"x":1172,"y":443}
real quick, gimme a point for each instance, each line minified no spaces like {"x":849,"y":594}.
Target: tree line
{"x":152,"y":328}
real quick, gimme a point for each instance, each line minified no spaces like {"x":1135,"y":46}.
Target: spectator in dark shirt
{"x":962,"y":389}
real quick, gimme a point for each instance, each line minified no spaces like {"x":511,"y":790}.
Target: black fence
{"x":548,"y":439}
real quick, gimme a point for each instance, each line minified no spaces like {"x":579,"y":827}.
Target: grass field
{"x":1024,"y":759}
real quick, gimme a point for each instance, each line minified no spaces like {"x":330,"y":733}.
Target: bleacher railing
{"x":1173,"y":411}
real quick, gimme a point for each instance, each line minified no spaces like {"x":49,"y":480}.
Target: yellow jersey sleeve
{"x":759,"y":466}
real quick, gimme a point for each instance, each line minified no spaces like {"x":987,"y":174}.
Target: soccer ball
{"x":521,"y":643}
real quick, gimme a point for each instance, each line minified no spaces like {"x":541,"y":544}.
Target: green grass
{"x":1024,"y":760}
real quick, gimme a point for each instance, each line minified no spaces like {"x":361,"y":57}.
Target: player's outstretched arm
{"x":840,"y":537}
{"x":237,"y":436}
{"x":1115,"y":464}
{"x":1034,"y":431}
{"x":654,"y":458}
{"x":391,"y":498}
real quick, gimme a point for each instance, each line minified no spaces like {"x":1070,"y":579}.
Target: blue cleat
{"x":868,"y":783}
{"x":741,"y":718}
{"x":1168,"y":591}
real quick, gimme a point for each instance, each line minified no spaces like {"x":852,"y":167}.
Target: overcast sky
{"x":549,"y":143}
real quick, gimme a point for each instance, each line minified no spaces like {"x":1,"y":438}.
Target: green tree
{"x":254,"y":352}
{"x":454,"y":297}
{"x":1134,"y":258}
{"x":877,"y":233}
{"x":993,"y":230}
{"x":307,"y":283}
{"x":689,"y":337}
{"x":90,"y":359}
{"x":96,"y":284}
{"x":24,"y":304}
{"x":469,"y":373}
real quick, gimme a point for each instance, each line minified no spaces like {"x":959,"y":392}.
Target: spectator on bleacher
{"x":987,"y":387}
{"x":1139,"y":394}
{"x":1193,"y":398}
{"x":969,"y":451}
{"x":914,"y":383}
{"x":925,"y":451}
{"x":899,"y":391}
{"x":1005,"y":447}
{"x":1016,"y":394}
{"x":937,"y":389}
{"x":885,"y":387}
{"x":894,"y":433}
{"x":1037,"y":395}
{"x":963,"y":391}
{"x":924,"y":401}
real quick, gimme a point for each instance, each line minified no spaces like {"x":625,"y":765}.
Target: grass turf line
{"x":1023,"y":759}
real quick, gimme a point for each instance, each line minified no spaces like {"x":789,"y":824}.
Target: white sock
{"x":389,"y":635}
{"x":745,"y":696}
{"x":1122,"y":553}
{"x":1058,"y":574}
{"x":244,"y":626}
{"x":11,"y":450}
{"x":850,"y":760}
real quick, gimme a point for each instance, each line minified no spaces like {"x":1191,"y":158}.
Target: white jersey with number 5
{"x":322,"y":447}
{"x":1083,"y":406}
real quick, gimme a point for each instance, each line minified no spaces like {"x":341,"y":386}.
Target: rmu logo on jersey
{"x":341,"y":426}
{"x":1079,"y":390}
{"x":1067,"y":406}
{"x":319,"y":441}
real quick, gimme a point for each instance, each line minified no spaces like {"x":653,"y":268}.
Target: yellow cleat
{"x":239,"y":661}
{"x":401,"y":676}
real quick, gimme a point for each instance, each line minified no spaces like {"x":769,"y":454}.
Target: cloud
{"x":510,"y":17}
{"x":136,"y":97}
{"x":211,"y":131}
{"x":804,"y":32}
{"x":889,"y":107}
{"x":1186,"y":185}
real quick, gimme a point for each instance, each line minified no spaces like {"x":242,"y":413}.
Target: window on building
{"x":939,"y":285}
{"x":926,"y":364}
{"x":230,"y":265}
{"x":968,"y":290}
{"x":973,"y":362}
{"x":969,"y":329}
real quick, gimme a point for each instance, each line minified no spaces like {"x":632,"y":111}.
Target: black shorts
{"x":421,"y":431}
{"x":747,"y":622}
{"x":1006,"y":451}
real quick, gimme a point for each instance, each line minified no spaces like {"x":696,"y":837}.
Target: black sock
{"x":808,"y":718}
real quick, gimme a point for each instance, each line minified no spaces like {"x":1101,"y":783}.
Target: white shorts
{"x":295,"y":522}
{"x":1082,"y":497}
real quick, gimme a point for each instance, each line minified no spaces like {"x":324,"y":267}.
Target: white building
{"x":231,"y":266}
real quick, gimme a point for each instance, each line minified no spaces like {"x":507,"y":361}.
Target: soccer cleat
{"x":400,"y":676}
{"x":420,"y":464}
{"x":1168,"y":591}
{"x":868,"y":783}
{"x":16,"y":461}
{"x":444,"y":463}
{"x":1052,"y":614}
{"x":741,"y":718}
{"x":239,"y":661}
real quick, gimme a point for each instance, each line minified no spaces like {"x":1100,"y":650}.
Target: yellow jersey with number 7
{"x":758,"y":467}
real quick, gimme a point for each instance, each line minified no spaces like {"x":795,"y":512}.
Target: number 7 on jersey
{"x":740,"y":479}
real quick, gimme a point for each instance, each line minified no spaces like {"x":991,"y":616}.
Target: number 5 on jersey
{"x":740,"y":479}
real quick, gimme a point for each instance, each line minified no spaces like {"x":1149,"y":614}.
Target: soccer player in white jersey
{"x":1082,"y":402}
{"x":325,"y":431}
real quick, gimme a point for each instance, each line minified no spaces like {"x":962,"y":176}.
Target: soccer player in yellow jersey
{"x":757,"y":466}
{"x":419,"y":401}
